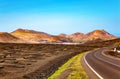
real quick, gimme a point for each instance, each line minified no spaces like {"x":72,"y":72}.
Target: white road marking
{"x":99,"y":76}
{"x":108,"y":56}
{"x":108,"y":62}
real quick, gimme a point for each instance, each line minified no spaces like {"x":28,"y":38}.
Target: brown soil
{"x":38,"y":61}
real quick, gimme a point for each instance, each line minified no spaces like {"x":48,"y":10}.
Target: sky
{"x":60,"y":16}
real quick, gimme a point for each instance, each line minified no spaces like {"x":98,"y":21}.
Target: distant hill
{"x":31,"y":36}
{"x":99,"y":34}
{"x":60,"y":38}
{"x":77,"y":37}
{"x":91,"y":36}
{"x":8,"y":38}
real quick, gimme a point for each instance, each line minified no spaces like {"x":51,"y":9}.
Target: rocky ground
{"x":38,"y":61}
{"x":34,"y":61}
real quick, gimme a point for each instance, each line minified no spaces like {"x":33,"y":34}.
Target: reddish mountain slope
{"x":91,"y":36}
{"x":8,"y":38}
{"x":36,"y":37}
{"x":77,"y":37}
{"x":60,"y":39}
{"x":99,"y":34}
{"x":31,"y":36}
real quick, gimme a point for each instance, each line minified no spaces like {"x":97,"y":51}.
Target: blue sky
{"x":60,"y":16}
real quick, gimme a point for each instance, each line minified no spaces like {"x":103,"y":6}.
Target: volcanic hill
{"x":31,"y":36}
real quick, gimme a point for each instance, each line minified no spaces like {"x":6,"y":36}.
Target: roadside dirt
{"x":35,"y":61}
{"x":39,"y":61}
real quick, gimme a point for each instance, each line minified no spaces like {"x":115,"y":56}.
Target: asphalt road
{"x":102,"y":66}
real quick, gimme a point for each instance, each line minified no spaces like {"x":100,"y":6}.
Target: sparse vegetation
{"x":77,"y":69}
{"x":62,"y":68}
{"x":74,"y":65}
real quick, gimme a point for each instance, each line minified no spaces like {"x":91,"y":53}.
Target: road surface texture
{"x":102,"y":66}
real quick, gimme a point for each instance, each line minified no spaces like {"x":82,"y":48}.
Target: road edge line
{"x":110,"y":56}
{"x":92,"y":68}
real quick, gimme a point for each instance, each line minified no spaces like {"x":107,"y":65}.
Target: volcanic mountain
{"x":77,"y":37}
{"x":38,"y":37}
{"x":99,"y":34}
{"x":95,"y":35}
{"x":31,"y":35}
{"x":62,"y":38}
{"x":8,"y":38}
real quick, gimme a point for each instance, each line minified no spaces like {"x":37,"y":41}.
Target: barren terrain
{"x":31,"y":61}
{"x":39,"y":61}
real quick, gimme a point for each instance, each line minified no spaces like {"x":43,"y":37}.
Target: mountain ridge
{"x":8,"y":38}
{"x":31,"y":36}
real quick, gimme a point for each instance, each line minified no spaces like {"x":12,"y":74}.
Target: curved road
{"x":102,"y":66}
